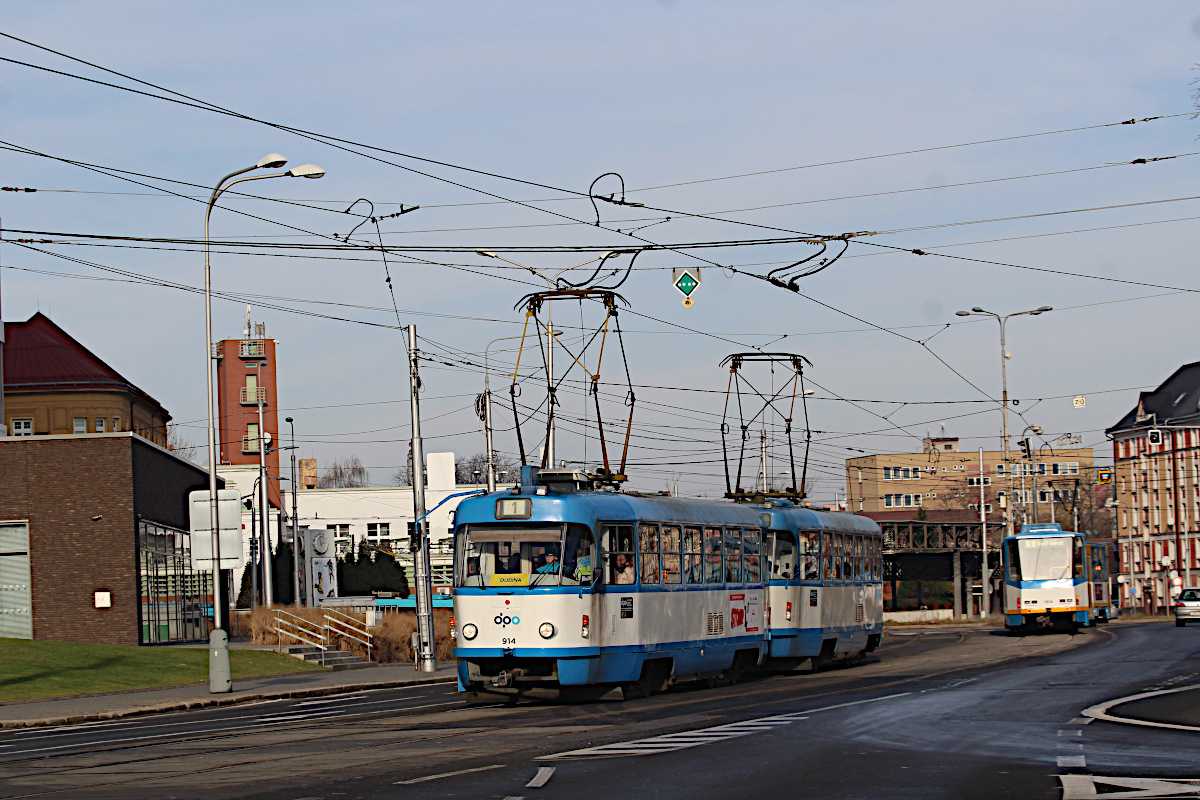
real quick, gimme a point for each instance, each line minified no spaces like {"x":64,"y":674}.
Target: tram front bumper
{"x":514,"y":672}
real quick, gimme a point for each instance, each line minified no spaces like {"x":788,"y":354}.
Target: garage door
{"x":16,"y":599}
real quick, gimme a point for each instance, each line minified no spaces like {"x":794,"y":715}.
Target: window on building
{"x":80,"y":425}
{"x":116,"y":424}
{"x":343,"y":542}
{"x":916,"y":499}
{"x":22,"y":427}
{"x":999,"y":469}
{"x":1074,"y":465}
{"x":250,"y":442}
{"x":99,"y":424}
{"x":887,"y":501}
{"x":887,"y":473}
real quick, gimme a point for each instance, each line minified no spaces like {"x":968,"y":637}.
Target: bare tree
{"x":473,"y":468}
{"x":182,"y":446}
{"x":345,"y":473}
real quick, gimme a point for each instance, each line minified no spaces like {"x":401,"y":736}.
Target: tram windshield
{"x":1043,"y":558}
{"x":529,"y":557}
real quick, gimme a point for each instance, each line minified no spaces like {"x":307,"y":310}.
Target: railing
{"x":334,"y":623}
{"x":250,"y":444}
{"x":252,"y":349}
{"x":254,"y":396}
{"x":345,"y":625}
{"x":300,"y":629}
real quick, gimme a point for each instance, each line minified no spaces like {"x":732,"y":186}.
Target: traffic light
{"x":1154,"y":436}
{"x":1026,"y":448}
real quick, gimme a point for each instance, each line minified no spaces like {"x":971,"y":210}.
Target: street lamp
{"x":977,"y":311}
{"x":295,"y":521}
{"x":220,"y":643}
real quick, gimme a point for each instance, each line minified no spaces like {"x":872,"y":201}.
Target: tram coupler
{"x":507,"y":678}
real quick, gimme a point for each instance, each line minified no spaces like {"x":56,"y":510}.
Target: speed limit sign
{"x":1177,"y":581}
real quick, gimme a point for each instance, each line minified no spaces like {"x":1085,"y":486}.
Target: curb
{"x":215,"y":702}
{"x":1101,"y":710}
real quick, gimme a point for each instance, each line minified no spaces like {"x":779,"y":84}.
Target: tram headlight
{"x":546,"y":630}
{"x":469,"y":631}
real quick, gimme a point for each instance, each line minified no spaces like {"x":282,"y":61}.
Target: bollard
{"x":220,"y":678}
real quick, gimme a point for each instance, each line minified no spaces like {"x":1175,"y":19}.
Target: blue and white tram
{"x":564,"y":589}
{"x":1046,"y":581}
{"x":825,"y":589}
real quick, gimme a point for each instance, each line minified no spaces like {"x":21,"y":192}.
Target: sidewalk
{"x":114,"y":705}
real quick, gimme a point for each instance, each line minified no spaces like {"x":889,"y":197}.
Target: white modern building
{"x":379,"y":516}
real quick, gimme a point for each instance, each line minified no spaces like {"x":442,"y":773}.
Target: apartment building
{"x":948,"y":483}
{"x":1156,"y":463}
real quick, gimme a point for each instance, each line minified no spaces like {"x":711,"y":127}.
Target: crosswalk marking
{"x":1071,"y":761}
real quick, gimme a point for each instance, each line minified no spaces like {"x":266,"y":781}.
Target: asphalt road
{"x":947,"y":714}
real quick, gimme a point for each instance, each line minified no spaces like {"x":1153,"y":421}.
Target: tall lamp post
{"x":980,"y":312}
{"x":219,"y":680}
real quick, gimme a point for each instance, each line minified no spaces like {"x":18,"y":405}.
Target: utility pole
{"x":985,"y":596}
{"x":550,"y":386}
{"x":264,"y":440}
{"x":426,"y":654}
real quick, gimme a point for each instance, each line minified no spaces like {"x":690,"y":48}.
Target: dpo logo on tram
{"x":504,"y":620}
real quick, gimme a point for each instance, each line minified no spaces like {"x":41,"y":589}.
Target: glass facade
{"x":176,"y":602}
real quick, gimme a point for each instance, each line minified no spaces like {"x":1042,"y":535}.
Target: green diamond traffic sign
{"x":686,"y":281}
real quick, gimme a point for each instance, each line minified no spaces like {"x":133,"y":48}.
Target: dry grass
{"x":391,"y":640}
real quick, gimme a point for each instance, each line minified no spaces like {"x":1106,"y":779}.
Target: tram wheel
{"x":652,"y":680}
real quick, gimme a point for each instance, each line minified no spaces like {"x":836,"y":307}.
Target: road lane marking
{"x":694,"y":738}
{"x":1071,"y":761}
{"x":1081,"y":721}
{"x":411,"y":781}
{"x":1100,"y":710}
{"x":1070,"y":732}
{"x":332,"y":700}
{"x":544,"y":774}
{"x":1086,"y":787}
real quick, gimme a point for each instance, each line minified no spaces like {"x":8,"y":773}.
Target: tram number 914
{"x":509,"y":641}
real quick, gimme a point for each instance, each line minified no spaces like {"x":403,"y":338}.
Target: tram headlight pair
{"x":469,"y":631}
{"x":546,"y":629}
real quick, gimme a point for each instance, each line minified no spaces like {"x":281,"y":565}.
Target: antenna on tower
{"x":247,"y":334}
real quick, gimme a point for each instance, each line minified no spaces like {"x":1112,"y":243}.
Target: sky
{"x":986,"y":136}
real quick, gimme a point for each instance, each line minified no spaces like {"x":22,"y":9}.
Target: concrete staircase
{"x":334,"y":659}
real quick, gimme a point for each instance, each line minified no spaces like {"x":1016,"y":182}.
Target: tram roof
{"x":587,"y":506}
{"x":800,"y":518}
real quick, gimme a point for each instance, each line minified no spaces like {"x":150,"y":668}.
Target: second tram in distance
{"x":1055,"y":579}
{"x":562,"y":588}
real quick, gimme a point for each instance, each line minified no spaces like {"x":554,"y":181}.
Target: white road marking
{"x":544,"y":774}
{"x":515,"y":797}
{"x":684,"y":739}
{"x":329,"y":700}
{"x":1069,"y":732}
{"x":447,"y":775}
{"x":1081,"y":721}
{"x":1086,"y":787}
{"x":1071,"y":761}
{"x":1100,"y":710}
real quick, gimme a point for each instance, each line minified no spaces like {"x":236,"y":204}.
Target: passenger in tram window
{"x":671,"y":572}
{"x":827,"y":554}
{"x":837,"y":555}
{"x":622,"y":570}
{"x":733,"y":555}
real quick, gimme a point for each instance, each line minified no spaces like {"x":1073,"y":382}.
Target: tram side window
{"x":1098,"y":559}
{"x":693,"y":559}
{"x":618,"y":551}
{"x":827,"y":555}
{"x":670,"y":555}
{"x":752,"y":569}
{"x":809,"y":556}
{"x":578,"y":559}
{"x":714,"y":569}
{"x":860,"y":565}
{"x":781,"y":555}
{"x":1014,"y":561}
{"x":733,"y":555}
{"x":648,"y":553}
{"x":847,"y":558}
{"x":1080,"y":571}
